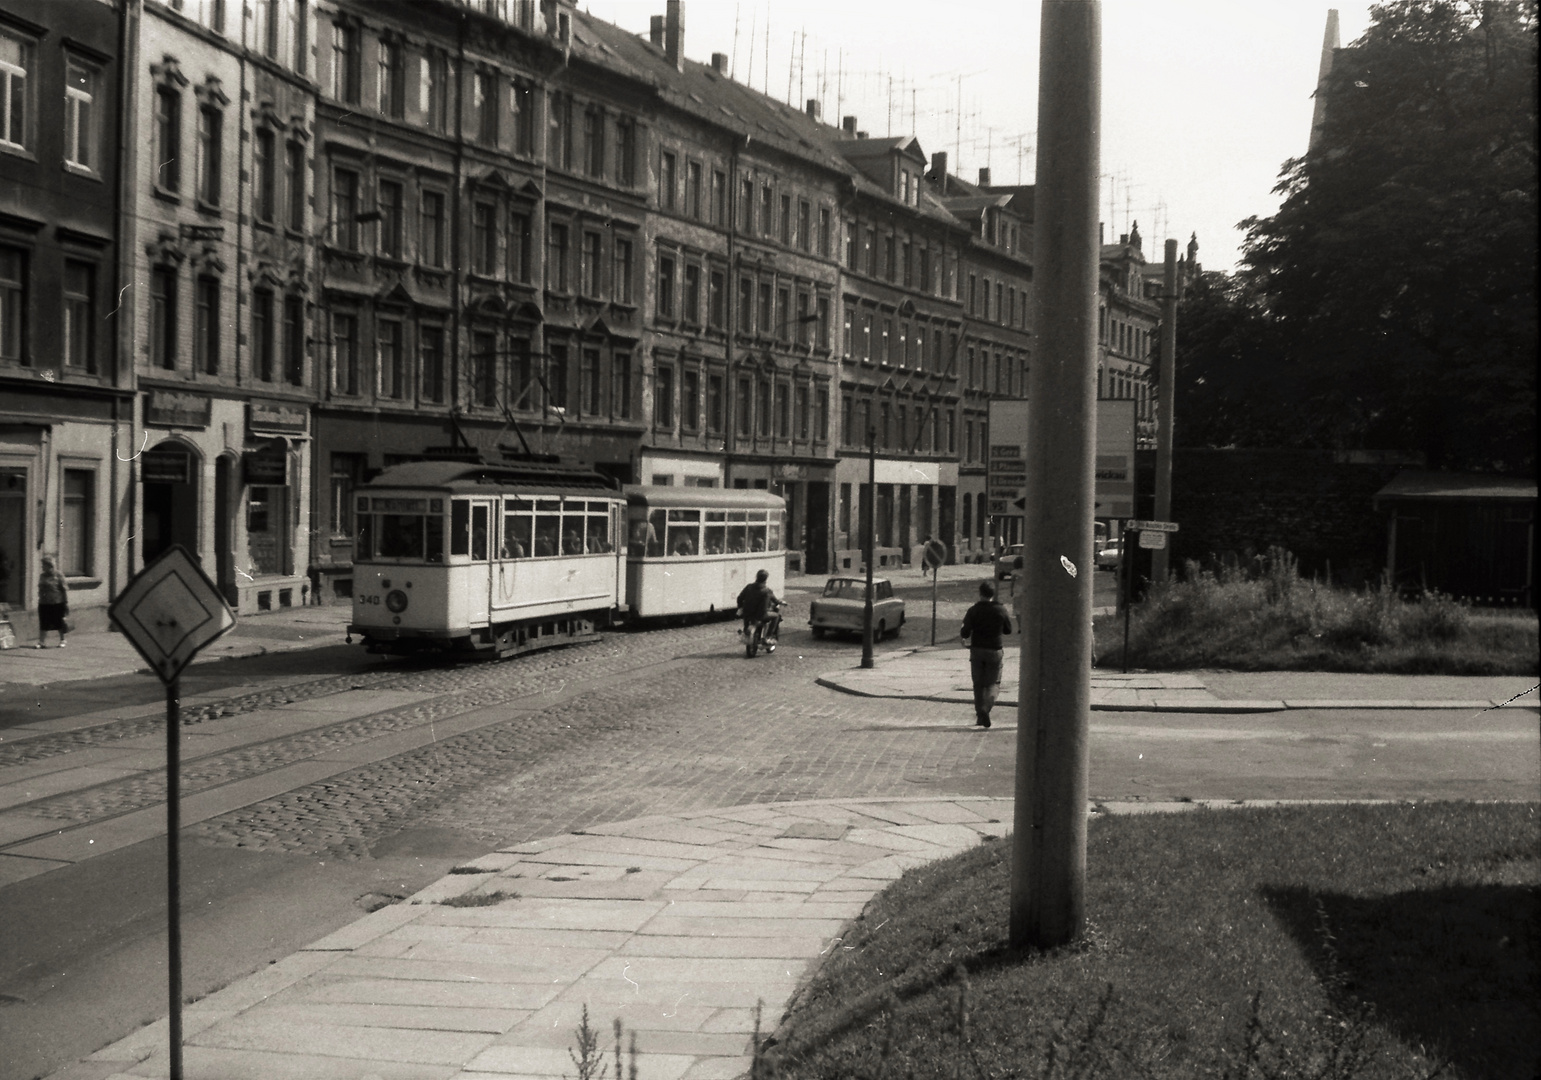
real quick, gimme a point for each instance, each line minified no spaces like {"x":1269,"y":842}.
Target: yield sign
{"x":171,"y":610}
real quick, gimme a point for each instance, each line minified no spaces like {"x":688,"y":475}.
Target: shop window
{"x":76,"y":519}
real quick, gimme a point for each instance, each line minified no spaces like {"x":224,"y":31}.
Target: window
{"x":559,"y":149}
{"x":206,"y":326}
{"x":745,"y":305}
{"x":716,"y":301}
{"x":262,"y":334}
{"x":804,"y":225}
{"x":393,"y":78}
{"x":589,"y":383}
{"x":715,"y":412}
{"x":999,"y":305}
{"x":909,"y":264}
{"x":741,"y":414}
{"x":431,"y":242}
{"x":79,"y":315}
{"x":296,"y":180}
{"x":430,"y":341}
{"x":168,"y":137}
{"x":693,"y":189}
{"x":626,"y":153}
{"x":765,"y":307}
{"x":345,"y":209}
{"x":763,"y":412}
{"x":847,"y":419}
{"x":523,"y":389}
{"x":520,"y":238}
{"x":746,"y":203}
{"x":391,"y":212}
{"x":692,"y":312}
{"x":872,"y":252}
{"x":822,"y":400}
{"x":623,"y":274}
{"x":347,"y":472}
{"x":163,"y":317}
{"x":767,"y":210}
{"x":76,"y":517}
{"x":620,"y":386}
{"x":719,"y":197}
{"x":13,"y":304}
{"x":665,"y":287}
{"x":589,"y":274}
{"x":556,"y":258}
{"x":783,"y":412}
{"x":690,"y":400}
{"x":663,"y":398}
{"x":484,"y":369}
{"x":890,"y":264}
{"x":822,"y":340}
{"x":345,"y":62}
{"x":971,"y":291}
{"x":887,"y":355}
{"x":786,"y":220}
{"x":81,"y":125}
{"x":485,"y":100}
{"x":345,"y":354}
{"x":824,"y":230}
{"x":265,"y":30}
{"x":594,"y":143}
{"x":433,"y":89}
{"x":523,"y":105}
{"x":866,"y":336}
{"x":299,"y":34}
{"x":393,"y":381}
{"x":211,"y":140}
{"x":294,"y":340}
{"x":667,"y":181}
{"x":17,"y":75}
{"x":265,"y":178}
{"x":484,"y":239}
{"x":783,"y":312}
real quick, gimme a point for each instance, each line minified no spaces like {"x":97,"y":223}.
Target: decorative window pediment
{"x":208,"y":260}
{"x":166,"y":249}
{"x":168,"y":71}
{"x":212,"y":93}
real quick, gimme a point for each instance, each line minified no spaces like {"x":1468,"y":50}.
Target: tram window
{"x":684,"y":533}
{"x":548,"y":534}
{"x":401,"y":536}
{"x":572,"y":534}
{"x":434,"y":548}
{"x":715,"y":535}
{"x":479,"y":529}
{"x":636,"y":546}
{"x":363,"y":545}
{"x":459,"y":527}
{"x":757,"y":538}
{"x":516,"y":536}
{"x":775,"y":536}
{"x":655,"y":533}
{"x":598,"y":538}
{"x":738,"y":533}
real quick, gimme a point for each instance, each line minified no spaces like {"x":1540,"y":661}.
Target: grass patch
{"x":476,"y":899}
{"x":1266,"y":617}
{"x":1328,"y":941}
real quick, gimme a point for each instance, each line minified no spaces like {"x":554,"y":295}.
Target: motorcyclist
{"x":758,"y":603}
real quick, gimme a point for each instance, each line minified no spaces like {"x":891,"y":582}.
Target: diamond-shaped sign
{"x":170,"y":611}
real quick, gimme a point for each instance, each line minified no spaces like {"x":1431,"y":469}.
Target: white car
{"x":1108,"y":553}
{"x":843,"y":603}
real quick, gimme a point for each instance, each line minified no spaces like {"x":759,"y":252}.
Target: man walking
{"x":983,"y":626}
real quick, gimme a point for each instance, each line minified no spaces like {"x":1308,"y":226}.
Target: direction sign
{"x":171,"y":610}
{"x":1154,"y":541}
{"x":1152,"y":526}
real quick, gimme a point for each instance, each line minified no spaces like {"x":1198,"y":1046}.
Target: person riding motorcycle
{"x":758,"y":603}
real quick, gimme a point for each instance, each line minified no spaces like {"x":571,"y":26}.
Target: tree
{"x":1399,"y":272}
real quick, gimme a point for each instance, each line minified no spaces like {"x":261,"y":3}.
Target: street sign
{"x":171,"y":610}
{"x":1152,"y":526}
{"x":935,"y":554}
{"x":1154,"y":541}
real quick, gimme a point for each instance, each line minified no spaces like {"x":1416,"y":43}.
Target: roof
{"x":704,"y":498}
{"x":533,"y":477}
{"x":1417,"y":484}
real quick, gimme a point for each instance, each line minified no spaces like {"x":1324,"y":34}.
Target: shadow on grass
{"x":1452,"y":968}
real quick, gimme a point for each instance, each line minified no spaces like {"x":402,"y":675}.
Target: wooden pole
{"x":1048,"y":872}
{"x":1167,"y":397}
{"x":868,"y":543}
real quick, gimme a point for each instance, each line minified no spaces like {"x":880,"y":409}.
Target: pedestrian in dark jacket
{"x":53,"y":603}
{"x":983,"y":626}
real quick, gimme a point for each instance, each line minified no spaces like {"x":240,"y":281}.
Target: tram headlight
{"x":396,"y":601}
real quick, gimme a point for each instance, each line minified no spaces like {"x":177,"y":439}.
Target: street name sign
{"x":170,"y":611}
{"x":1152,"y":526}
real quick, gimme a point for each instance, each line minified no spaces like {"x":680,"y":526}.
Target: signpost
{"x":1153,"y":536}
{"x":169,"y":612}
{"x":932,"y":560}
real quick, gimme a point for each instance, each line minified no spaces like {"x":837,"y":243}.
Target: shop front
{"x":908,"y":506}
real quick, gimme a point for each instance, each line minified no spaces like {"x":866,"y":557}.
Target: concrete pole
{"x":869,"y":543}
{"x":1164,"y":406}
{"x":1048,"y":871}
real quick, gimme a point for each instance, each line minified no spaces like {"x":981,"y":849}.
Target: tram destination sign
{"x":170,"y":611}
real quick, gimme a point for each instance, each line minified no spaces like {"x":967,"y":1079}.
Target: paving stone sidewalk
{"x":942,"y":674}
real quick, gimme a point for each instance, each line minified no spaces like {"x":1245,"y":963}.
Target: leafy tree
{"x":1399,"y":272}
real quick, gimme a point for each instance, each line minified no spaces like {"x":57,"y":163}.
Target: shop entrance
{"x":816,"y":517}
{"x":169,"y":477}
{"x":13,"y":537}
{"x":267,"y":511}
{"x":224,"y":543}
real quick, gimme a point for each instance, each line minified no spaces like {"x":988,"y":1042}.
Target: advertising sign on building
{"x":177,"y":408}
{"x":277,"y":417}
{"x":1006,"y":465}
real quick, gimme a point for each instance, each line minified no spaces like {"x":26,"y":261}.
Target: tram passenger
{"x":757,"y":602}
{"x":572,"y":542}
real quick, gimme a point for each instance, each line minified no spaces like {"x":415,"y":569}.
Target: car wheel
{"x":881,"y":630}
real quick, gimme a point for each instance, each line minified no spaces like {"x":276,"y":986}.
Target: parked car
{"x":844,"y":600}
{"x":1108,"y":552}
{"x":1008,"y":562}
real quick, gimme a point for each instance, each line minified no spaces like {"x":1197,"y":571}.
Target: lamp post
{"x":868,"y":552}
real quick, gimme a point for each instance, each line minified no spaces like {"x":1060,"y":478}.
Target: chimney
{"x":674,"y":33}
{"x":984,"y":176}
{"x":939,"y":170}
{"x":848,"y":125}
{"x":1324,"y":69}
{"x":720,"y":63}
{"x":815,"y":110}
{"x":861,"y":134}
{"x":655,"y":31}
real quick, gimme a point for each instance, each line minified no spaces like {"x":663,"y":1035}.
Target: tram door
{"x":480,"y":600}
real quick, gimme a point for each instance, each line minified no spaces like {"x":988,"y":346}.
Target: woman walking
{"x":53,"y":603}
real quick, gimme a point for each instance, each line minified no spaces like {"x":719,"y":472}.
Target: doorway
{"x":946,"y":519}
{"x":13,"y":537}
{"x":816,"y":519}
{"x":224,"y":545}
{"x":168,"y":474}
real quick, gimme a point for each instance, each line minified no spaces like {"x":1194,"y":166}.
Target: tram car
{"x":505,"y":558}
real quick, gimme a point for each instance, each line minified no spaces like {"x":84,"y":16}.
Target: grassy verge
{"x":1341,"y":941}
{"x":1273,"y":620}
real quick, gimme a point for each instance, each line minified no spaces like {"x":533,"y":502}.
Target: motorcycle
{"x":763,"y":633}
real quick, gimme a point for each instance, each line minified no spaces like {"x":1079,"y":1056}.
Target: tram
{"x":505,"y":558}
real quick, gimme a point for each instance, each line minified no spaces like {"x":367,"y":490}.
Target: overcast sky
{"x":1202,"y":100}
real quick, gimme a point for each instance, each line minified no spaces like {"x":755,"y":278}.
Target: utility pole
{"x":1166,"y":402}
{"x":1048,"y":864}
{"x":868,"y":552}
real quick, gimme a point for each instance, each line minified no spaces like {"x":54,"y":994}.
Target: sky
{"x":1202,"y":100}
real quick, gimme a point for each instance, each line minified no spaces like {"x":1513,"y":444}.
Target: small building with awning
{"x":1470,"y":535}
